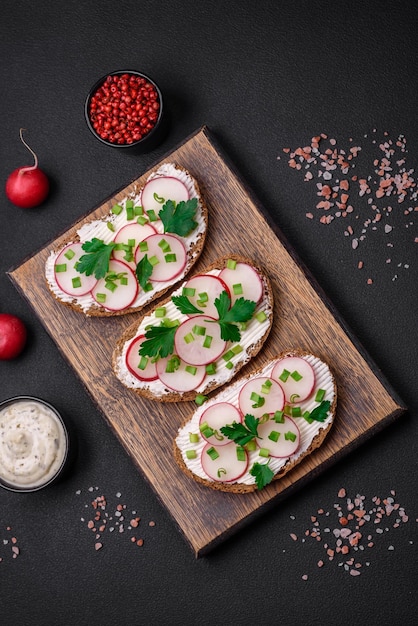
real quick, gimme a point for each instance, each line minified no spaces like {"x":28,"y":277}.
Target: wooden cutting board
{"x":303,"y":318}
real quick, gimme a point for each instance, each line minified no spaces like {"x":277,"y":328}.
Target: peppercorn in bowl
{"x":124,"y":109}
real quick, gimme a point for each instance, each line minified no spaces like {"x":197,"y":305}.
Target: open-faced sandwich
{"x":147,"y":242}
{"x":258,"y":428}
{"x":200,"y":336}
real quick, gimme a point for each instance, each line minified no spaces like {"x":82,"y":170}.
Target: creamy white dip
{"x":33,"y":444}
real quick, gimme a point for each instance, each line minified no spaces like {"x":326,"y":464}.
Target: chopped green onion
{"x":320,"y":394}
{"x":294,"y":397}
{"x":188,"y":291}
{"x":257,"y":399}
{"x":164,"y":245}
{"x":170,"y":258}
{"x":207,"y":341}
{"x":110,"y":285}
{"x":199,"y":330}
{"x":189,"y":338}
{"x":101,"y":297}
{"x":143,"y":363}
{"x":124,"y":280}
{"x":279,"y":417}
{"x":129,"y":203}
{"x":203,"y":426}
{"x":237,"y":349}
{"x":153,"y":260}
{"x":200,"y":399}
{"x":76,"y":282}
{"x":191,"y":369}
{"x":251,"y":445}
{"x":211,"y":367}
{"x":160,"y":311}
{"x":287,"y":410}
{"x":152,"y":215}
{"x":214,"y":454}
{"x":274,"y":435}
{"x":289,"y":436}
{"x":148,"y":287}
{"x":158,"y":198}
{"x":141,"y":219}
{"x":237,"y":289}
{"x":61,"y":267}
{"x":110,"y":226}
{"x":261,"y":317}
{"x":69,"y":254}
{"x":284,"y":376}
{"x":191,"y":454}
{"x":241,"y":455}
{"x":129,"y":212}
{"x":143,"y":246}
{"x":138,"y":210}
{"x":265,"y":387}
{"x":117,"y":209}
{"x":229,"y":365}
{"x":221,"y":471}
{"x":296,"y":411}
{"x":264,"y":452}
{"x":296,"y":376}
{"x":228,"y":355}
{"x":231,"y":264}
{"x":203,"y":297}
{"x":131,"y":243}
{"x":193,"y":437}
{"x":307,"y":417}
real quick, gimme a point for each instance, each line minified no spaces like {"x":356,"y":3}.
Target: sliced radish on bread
{"x":216,"y":416}
{"x":198,"y":340}
{"x":167,"y":255}
{"x":223,"y":463}
{"x":261,"y":395}
{"x":202,"y":290}
{"x":142,"y":367}
{"x":279,"y":437}
{"x":178,"y":375}
{"x":160,"y":189}
{"x":66,"y":275}
{"x":296,"y":377}
{"x":130,"y":236}
{"x":243,"y":282}
{"x":118,"y":289}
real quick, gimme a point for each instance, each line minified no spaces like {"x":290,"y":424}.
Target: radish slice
{"x":295,"y":376}
{"x":124,"y":295}
{"x":216,"y":416}
{"x":252,"y":394}
{"x":158,"y":190}
{"x":280,"y":439}
{"x":140,"y":367}
{"x":167,"y":254}
{"x":206,"y":289}
{"x":131,"y":232}
{"x":243,"y":282}
{"x":198,"y":340}
{"x":226,"y":467}
{"x":66,"y":276}
{"x":185,"y":378}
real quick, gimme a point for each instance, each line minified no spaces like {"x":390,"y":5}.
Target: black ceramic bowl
{"x":21,"y":445}
{"x":124,"y":110}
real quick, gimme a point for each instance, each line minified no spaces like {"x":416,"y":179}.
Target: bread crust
{"x":192,"y":256}
{"x":172,"y":396}
{"x":289,"y":465}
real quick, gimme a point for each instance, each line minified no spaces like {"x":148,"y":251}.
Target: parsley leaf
{"x":319,"y":414}
{"x":241,"y":311}
{"x":242,"y":433}
{"x":262,"y":473}
{"x":159,"y":341}
{"x":96,"y":261}
{"x":143,"y":271}
{"x":185,"y":306}
{"x":179,"y":218}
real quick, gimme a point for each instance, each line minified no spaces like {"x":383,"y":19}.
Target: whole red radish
{"x":27,"y":186}
{"x":12,"y":336}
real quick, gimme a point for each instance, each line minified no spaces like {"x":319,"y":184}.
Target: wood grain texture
{"x":303,"y":319}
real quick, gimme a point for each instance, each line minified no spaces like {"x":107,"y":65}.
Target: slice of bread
{"x":192,"y":440}
{"x":234,"y":355}
{"x":106,"y":229}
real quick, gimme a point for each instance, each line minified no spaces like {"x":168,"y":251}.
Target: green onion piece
{"x":138,"y":210}
{"x":307,"y":417}
{"x":189,"y":338}
{"x":158,"y":198}
{"x":265,"y":387}
{"x":164,"y":245}
{"x":242,"y":325}
{"x":287,"y":410}
{"x":200,"y":399}
{"x":188,"y":292}
{"x":296,"y":376}
{"x":264,"y":452}
{"x":124,"y":280}
{"x":279,"y":417}
{"x":131,"y":243}
{"x":264,"y":418}
{"x":153,"y":260}
{"x":221,"y":471}
{"x":160,"y":311}
{"x":237,"y":349}
{"x":170,"y":258}
{"x":289,"y":436}
{"x":231,"y":264}
{"x":257,"y":399}
{"x":191,"y":454}
{"x":237,"y":289}
{"x":320,"y":394}
{"x":228,"y":355}
{"x":152,"y":215}
{"x":261,"y":317}
{"x":148,"y":287}
{"x":193,"y":437}
{"x":241,"y":456}
{"x":110,"y":286}
{"x":296,"y":411}
{"x":121,"y":246}
{"x":294,"y":397}
{"x":129,"y":203}
{"x":143,"y":363}
{"x":251,"y":445}
{"x":212,"y":453}
{"x":117,"y":209}
{"x":229,"y":365}
{"x":76,"y":282}
{"x":274,"y":435}
{"x":143,"y":246}
{"x":207,"y":341}
{"x":101,"y":298}
{"x":284,"y":376}
{"x":129,"y":212}
{"x":61,"y":267}
{"x":207,"y":432}
{"x":191,"y":369}
{"x":129,"y":257}
{"x":199,"y":330}
{"x":203,"y":297}
{"x":211,"y":367}
{"x":202,"y":426}
{"x":142,"y":220}
{"x":69,"y":254}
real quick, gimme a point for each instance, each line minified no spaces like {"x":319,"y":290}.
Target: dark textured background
{"x":262,"y":78}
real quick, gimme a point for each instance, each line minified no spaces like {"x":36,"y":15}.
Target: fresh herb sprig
{"x":159,"y":340}
{"x":143,"y":271}
{"x":179,"y":218}
{"x":242,"y":433}
{"x":97,"y":258}
{"x":185,"y":306}
{"x":320,"y":413}
{"x":262,"y":473}
{"x":229,"y":316}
